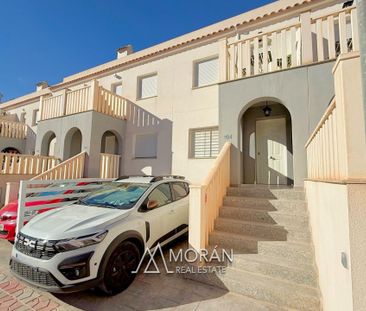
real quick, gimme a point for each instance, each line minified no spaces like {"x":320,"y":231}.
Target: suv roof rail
{"x":161,"y":177}
{"x":129,"y":176}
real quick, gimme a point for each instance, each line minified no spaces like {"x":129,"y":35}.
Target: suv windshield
{"x":116,"y":195}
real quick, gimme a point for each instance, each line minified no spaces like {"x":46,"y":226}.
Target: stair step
{"x":266,"y":217}
{"x":268,"y":193}
{"x":280,"y":268}
{"x":263,"y":230}
{"x":275,"y":291}
{"x":300,"y":274}
{"x":297,"y":252}
{"x":284,"y":206}
{"x":259,"y":186}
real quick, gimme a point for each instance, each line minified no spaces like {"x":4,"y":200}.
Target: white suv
{"x":100,"y":240}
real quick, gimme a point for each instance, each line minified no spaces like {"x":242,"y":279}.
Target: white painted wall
{"x":178,"y":104}
{"x":338,"y":222}
{"x":328,"y":210}
{"x":32,"y":129}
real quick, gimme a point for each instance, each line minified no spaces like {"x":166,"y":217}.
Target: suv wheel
{"x":118,"y":271}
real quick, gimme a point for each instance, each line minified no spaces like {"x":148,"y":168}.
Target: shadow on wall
{"x":148,"y":145}
{"x":30,"y":141}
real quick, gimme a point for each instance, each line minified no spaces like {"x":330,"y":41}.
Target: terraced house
{"x":253,"y":110}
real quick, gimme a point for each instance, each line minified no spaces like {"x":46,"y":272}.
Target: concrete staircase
{"x":268,"y":229}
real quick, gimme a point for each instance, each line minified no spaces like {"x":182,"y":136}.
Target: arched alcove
{"x":72,"y":143}
{"x":48,"y":144}
{"x":267,"y":149}
{"x":109,"y":143}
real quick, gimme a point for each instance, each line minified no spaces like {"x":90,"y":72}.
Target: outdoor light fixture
{"x":267,"y":110}
{"x":117,"y":76}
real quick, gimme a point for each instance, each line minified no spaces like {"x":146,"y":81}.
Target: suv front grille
{"x":35,"y":247}
{"x":33,"y":274}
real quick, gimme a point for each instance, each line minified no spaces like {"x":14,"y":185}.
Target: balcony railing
{"x":310,"y":38}
{"x":12,"y":129}
{"x":25,"y":164}
{"x":88,"y":98}
{"x":109,"y":165}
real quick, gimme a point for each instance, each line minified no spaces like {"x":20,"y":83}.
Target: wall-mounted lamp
{"x":267,"y":110}
{"x":117,"y":76}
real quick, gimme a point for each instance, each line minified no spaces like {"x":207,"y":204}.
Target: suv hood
{"x":72,"y":221}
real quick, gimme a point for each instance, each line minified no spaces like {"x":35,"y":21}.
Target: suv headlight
{"x":75,"y":243}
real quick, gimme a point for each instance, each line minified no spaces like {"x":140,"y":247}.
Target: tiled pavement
{"x":16,"y":296}
{"x":148,"y":292}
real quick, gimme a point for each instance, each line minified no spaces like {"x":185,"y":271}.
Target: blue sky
{"x":50,"y":39}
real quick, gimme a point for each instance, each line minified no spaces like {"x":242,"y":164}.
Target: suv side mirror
{"x":151,"y":204}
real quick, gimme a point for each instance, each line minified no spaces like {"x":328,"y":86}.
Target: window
{"x":146,"y":145}
{"x":204,"y":143}
{"x":36,"y":117}
{"x":206,"y":72}
{"x":180,"y":190}
{"x":161,"y":194}
{"x":147,"y":86}
{"x":117,"y":88}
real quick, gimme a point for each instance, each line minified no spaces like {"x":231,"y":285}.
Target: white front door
{"x":271,"y":151}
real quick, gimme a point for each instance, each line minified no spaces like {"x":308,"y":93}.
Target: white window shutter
{"x":207,"y":72}
{"x":148,"y":86}
{"x":205,"y":143}
{"x":118,"y":89}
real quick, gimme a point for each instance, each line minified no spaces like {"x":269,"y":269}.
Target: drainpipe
{"x":361,"y":17}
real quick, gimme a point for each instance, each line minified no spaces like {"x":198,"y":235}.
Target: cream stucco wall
{"x":178,"y":103}
{"x":328,"y":210}
{"x":28,"y":109}
{"x":338,"y":223}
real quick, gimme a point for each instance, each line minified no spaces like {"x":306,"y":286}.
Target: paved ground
{"x":148,"y":292}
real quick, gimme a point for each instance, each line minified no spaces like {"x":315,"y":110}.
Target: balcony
{"x":308,"y":38}
{"x":91,"y":97}
{"x":12,"y":129}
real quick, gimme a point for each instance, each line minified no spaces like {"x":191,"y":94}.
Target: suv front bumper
{"x":46,"y":274}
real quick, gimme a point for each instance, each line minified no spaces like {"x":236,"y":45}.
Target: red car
{"x":8,"y":214}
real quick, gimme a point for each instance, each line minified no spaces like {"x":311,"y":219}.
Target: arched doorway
{"x":10,"y":150}
{"x":48,"y":144}
{"x":109,"y":143}
{"x":109,"y":158}
{"x":267,"y":144}
{"x":73,"y":143}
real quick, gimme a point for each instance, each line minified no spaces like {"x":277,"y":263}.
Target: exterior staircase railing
{"x":334,"y":147}
{"x":206,"y":199}
{"x":72,"y":168}
{"x":322,"y":147}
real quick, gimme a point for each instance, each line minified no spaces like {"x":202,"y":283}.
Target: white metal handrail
{"x":62,"y":197}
